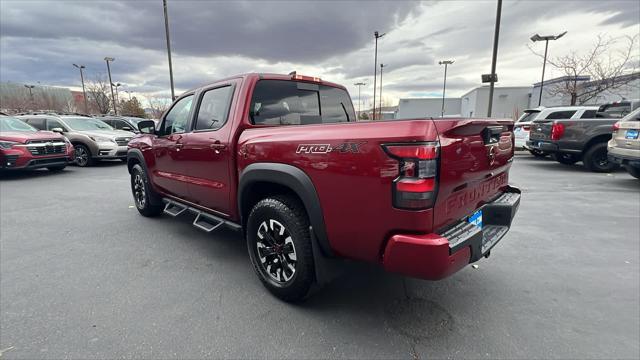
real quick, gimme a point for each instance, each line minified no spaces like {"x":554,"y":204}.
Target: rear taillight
{"x":526,"y":128}
{"x":616,"y":126}
{"x":557,"y":131}
{"x":415,"y":188}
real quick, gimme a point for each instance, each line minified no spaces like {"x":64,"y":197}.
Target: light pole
{"x":117,"y":98}
{"x":84,"y":93}
{"x":546,"y":39}
{"x":375,"y":72}
{"x":30,"y":87}
{"x":128,"y":93}
{"x":359,"y":84}
{"x":444,"y":86}
{"x":494,"y":58}
{"x":166,"y":30}
{"x":380,"y":110}
{"x":113,"y":99}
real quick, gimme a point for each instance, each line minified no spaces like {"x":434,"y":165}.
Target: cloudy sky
{"x":39,"y":40}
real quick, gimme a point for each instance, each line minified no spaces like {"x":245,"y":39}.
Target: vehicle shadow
{"x":14,"y":175}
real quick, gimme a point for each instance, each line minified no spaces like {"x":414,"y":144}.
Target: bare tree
{"x":98,"y":93}
{"x":158,"y":105}
{"x":608,"y":70}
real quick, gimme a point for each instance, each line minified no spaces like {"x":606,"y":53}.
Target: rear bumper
{"x":542,"y":146}
{"x":437,"y":255}
{"x":623,"y":159}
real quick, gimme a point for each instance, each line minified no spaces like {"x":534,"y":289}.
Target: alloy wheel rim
{"x":138,"y":191}
{"x":276,"y":251}
{"x":81,"y":156}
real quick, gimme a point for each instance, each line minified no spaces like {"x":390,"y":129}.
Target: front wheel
{"x":633,"y":171}
{"x":566,"y":159}
{"x":82,"y":156}
{"x":143,"y":194}
{"x":596,"y":160}
{"x":279,"y":245}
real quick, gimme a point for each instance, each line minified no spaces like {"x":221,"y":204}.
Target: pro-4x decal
{"x":347,"y":147}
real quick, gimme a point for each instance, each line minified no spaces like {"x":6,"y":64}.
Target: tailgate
{"x":474,"y":164}
{"x":541,"y":130}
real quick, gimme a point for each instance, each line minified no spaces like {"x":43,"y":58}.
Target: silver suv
{"x":92,"y":139}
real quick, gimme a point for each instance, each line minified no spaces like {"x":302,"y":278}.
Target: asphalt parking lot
{"x":82,"y":275}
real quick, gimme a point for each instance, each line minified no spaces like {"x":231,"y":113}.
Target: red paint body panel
{"x":354,"y":188}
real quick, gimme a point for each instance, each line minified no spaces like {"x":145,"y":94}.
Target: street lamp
{"x":30,"y":87}
{"x":113,"y":99}
{"x":444,"y":86}
{"x":84,"y":93}
{"x":494,"y":57}
{"x":375,"y":71}
{"x":546,"y":39}
{"x":128,"y":93}
{"x":359,"y":84}
{"x":380,"y":110}
{"x":117,"y":98}
{"x":166,"y":30}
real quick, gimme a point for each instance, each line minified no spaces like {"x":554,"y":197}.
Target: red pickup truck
{"x":282,"y":159}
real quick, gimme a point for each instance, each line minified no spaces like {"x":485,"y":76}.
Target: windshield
{"x":528,"y":116}
{"x":13,"y":124}
{"x":82,"y":124}
{"x":632,"y":116}
{"x":134,"y":121}
{"x":614,"y":110}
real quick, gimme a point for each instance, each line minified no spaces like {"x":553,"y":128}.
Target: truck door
{"x":168,"y":172}
{"x":208,"y":150}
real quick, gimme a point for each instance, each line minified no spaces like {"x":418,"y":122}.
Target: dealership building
{"x":511,"y":101}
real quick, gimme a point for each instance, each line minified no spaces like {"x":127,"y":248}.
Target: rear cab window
{"x":283,"y":102}
{"x":563,"y":114}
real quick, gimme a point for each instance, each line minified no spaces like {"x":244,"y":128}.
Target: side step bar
{"x":203,"y":221}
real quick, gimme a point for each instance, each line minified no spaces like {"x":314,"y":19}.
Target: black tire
{"x":595,"y":159}
{"x":633,"y":171}
{"x":144,"y":197}
{"x":566,"y":159}
{"x":56,"y":168}
{"x":82,"y":156}
{"x":279,"y":245}
{"x":538,"y":153}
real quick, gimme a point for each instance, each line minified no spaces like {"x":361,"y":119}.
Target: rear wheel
{"x":595,"y":159}
{"x":82,"y":156}
{"x":279,"y":245}
{"x":538,"y":153}
{"x":143,"y":194}
{"x":633,"y":171}
{"x":566,"y":159}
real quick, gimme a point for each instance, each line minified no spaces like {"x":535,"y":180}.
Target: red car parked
{"x":24,"y":147}
{"x":282,"y":158}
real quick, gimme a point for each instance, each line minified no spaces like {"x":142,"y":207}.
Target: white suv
{"x":523,"y":124}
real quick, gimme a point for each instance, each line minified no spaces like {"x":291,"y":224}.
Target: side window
{"x":589,"y":114}
{"x":214,"y":108}
{"x":567,"y":114}
{"x":178,"y":117}
{"x":118,"y":124}
{"x":53,"y":123}
{"x":37,"y":123}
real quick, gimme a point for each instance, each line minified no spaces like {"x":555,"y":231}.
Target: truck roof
{"x":269,"y":76}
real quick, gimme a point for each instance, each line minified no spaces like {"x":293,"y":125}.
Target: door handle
{"x":218,"y":146}
{"x":178,"y":146}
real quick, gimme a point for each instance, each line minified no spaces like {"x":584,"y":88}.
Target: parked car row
{"x":602,"y":142}
{"x":25,"y":140}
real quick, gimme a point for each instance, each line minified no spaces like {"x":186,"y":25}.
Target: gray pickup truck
{"x":573,"y":140}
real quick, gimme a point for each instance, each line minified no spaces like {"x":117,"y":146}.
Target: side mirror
{"x":126,"y":128}
{"x":147,"y":127}
{"x":57,"y":130}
